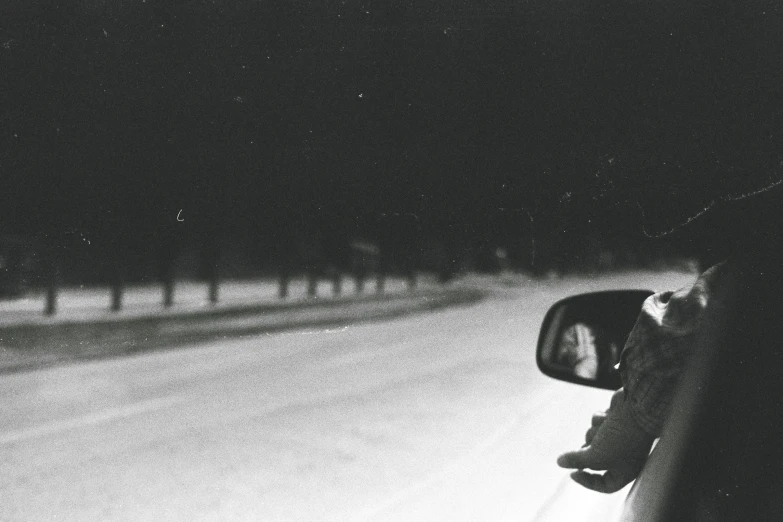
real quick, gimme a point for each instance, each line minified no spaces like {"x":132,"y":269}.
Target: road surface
{"x":442,"y":416}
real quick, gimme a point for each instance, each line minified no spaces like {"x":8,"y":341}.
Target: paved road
{"x":435,"y":417}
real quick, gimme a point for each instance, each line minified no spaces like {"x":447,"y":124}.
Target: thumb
{"x":579,"y":459}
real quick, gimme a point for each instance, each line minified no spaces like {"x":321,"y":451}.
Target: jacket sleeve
{"x":659,"y":346}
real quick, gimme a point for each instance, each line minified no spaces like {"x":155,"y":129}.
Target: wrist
{"x":638,"y":427}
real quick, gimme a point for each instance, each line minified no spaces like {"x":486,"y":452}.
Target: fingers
{"x":609,"y":482}
{"x":613,"y":444}
{"x":598,"y":418}
{"x":617,"y":398}
{"x":590,"y":434}
{"x":591,"y":481}
{"x":578,"y":459}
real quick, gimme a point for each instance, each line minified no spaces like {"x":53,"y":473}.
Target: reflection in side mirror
{"x":582,"y":336}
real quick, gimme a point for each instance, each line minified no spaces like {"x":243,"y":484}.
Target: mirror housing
{"x":582,"y":336}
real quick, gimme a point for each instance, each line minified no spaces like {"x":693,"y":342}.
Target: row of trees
{"x":525,"y":123}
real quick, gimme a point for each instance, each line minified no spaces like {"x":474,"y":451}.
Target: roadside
{"x":85,"y":329}
{"x":78,"y":304}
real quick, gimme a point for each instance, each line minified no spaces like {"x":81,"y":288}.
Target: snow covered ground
{"x":442,"y":416}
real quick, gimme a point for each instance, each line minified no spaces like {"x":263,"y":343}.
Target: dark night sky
{"x":116,"y":115}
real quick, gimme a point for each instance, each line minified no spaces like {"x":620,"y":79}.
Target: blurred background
{"x":145,"y":140}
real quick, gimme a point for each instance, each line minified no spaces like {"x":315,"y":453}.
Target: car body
{"x":719,"y":454}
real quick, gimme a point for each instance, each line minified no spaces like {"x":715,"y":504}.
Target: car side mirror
{"x":582,"y":336}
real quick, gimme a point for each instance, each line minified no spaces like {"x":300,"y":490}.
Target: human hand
{"x":614,"y":444}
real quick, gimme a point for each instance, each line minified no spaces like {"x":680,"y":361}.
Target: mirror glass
{"x":582,"y":336}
